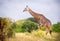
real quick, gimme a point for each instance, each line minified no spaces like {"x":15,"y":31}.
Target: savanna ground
{"x":37,"y":35}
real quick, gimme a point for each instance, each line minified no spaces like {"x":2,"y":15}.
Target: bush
{"x":7,"y":26}
{"x":33,"y":19}
{"x":41,"y":34}
{"x":56,"y":27}
{"x":28,"y":26}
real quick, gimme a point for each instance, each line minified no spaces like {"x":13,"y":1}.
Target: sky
{"x":14,"y":9}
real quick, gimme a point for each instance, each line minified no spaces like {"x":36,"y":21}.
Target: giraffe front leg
{"x":47,"y":31}
{"x":39,"y":27}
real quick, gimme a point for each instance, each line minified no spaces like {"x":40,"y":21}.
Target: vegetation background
{"x":28,"y":26}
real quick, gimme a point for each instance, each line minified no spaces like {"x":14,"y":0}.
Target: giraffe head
{"x":26,"y":8}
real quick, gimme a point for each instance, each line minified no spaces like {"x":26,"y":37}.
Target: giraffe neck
{"x":35,"y":15}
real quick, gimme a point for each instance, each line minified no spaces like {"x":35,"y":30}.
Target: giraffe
{"x":42,"y":20}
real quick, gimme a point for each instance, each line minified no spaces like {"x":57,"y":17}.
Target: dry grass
{"x":26,"y":37}
{"x":35,"y":36}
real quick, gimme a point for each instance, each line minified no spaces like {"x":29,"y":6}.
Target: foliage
{"x":7,"y":25}
{"x":40,"y":33}
{"x":32,"y":19}
{"x":11,"y":30}
{"x":19,"y":24}
{"x":56,"y":27}
{"x":28,"y":26}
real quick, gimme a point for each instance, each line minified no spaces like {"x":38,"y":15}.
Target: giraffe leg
{"x":50,"y":31}
{"x":39,"y":27}
{"x":47,"y":29}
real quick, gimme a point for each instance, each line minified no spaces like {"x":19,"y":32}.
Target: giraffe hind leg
{"x":50,"y":32}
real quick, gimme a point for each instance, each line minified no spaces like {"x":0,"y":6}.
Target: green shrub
{"x":32,"y":19}
{"x":28,"y":26}
{"x":56,"y":27}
